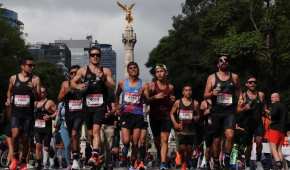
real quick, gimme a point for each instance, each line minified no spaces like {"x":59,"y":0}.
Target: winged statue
{"x":128,"y":10}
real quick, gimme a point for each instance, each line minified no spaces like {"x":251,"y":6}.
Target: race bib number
{"x":133,"y":98}
{"x":39,"y":123}
{"x":185,"y":114}
{"x":94,"y":100}
{"x":22,"y":100}
{"x":225,"y":99}
{"x":75,"y":105}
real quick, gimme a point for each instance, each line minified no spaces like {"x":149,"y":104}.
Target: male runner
{"x":160,"y":96}
{"x":185,"y":124}
{"x":45,"y":111}
{"x":223,"y":87}
{"x":277,"y":131}
{"x":131,"y":110}
{"x":251,"y":107}
{"x":95,"y":81}
{"x":74,"y":116}
{"x":23,"y":90}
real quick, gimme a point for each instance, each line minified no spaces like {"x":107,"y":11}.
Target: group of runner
{"x":226,"y":117}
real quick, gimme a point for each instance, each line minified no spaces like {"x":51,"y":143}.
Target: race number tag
{"x":225,"y":99}
{"x":185,"y":114}
{"x":39,"y":123}
{"x":94,"y":100}
{"x":133,"y":98}
{"x":75,"y":105}
{"x":22,"y":100}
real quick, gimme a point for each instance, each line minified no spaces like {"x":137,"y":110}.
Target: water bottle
{"x":218,"y":87}
{"x":234,"y":157}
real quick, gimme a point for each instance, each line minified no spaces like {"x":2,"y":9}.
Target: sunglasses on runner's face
{"x":30,"y":65}
{"x":223,"y":60}
{"x":72,"y":73}
{"x":95,"y":55}
{"x":252,"y":82}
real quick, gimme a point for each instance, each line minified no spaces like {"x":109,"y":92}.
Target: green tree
{"x":12,"y":47}
{"x":255,"y":34}
{"x":51,"y":78}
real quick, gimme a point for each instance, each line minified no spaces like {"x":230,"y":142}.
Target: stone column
{"x":129,"y":40}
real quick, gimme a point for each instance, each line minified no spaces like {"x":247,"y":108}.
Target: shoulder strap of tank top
{"x":44,"y":104}
{"x":30,"y":78}
{"x":126,"y":84}
{"x":156,"y":87}
{"x":139,"y":85}
{"x":231,"y":77}
{"x":216,"y":77}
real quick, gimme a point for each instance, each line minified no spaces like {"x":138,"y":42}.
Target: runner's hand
{"x":247,"y":107}
{"x":8,"y":102}
{"x":172,"y":98}
{"x":159,"y":96}
{"x":46,"y":117}
{"x":82,"y":86}
{"x":178,"y":126}
{"x":215,"y":92}
{"x":239,"y":128}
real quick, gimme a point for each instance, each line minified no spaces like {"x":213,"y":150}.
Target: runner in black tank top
{"x":250,"y":108}
{"x":23,"y":90}
{"x":96,"y":82}
{"x":186,"y":125}
{"x":23,"y":98}
{"x":74,"y":113}
{"x":223,"y":88}
{"x":45,"y":111}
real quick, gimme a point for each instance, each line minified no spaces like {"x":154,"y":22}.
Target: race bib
{"x":133,"y":98}
{"x":94,"y":100}
{"x":225,"y":99}
{"x":39,"y":123}
{"x":22,"y":100}
{"x":185,"y":114}
{"x":75,"y":105}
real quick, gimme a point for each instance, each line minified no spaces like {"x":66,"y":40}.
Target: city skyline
{"x":72,"y":19}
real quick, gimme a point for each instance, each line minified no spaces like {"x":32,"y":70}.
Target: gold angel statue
{"x":128,"y":10}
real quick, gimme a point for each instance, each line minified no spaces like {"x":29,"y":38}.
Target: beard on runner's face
{"x":223,"y":63}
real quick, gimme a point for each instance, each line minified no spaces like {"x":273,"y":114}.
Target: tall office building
{"x":108,"y":57}
{"x":79,"y":52}
{"x":11,"y":17}
{"x":77,"y":47}
{"x":55,"y":53}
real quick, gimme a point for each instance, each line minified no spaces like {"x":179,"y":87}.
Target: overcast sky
{"x":48,"y":20}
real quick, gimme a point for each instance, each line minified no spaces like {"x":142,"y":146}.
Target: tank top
{"x":132,"y":99}
{"x":160,"y":108}
{"x":225,"y":102}
{"x":97,"y":92}
{"x":23,"y":98}
{"x":185,"y":116}
{"x":41,"y":125}
{"x":256,"y":106}
{"x":73,"y":102}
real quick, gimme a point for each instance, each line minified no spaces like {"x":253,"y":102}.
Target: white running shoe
{"x":75,"y":165}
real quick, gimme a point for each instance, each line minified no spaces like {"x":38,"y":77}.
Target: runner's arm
{"x":208,"y":92}
{"x":63,"y":91}
{"x":9,"y":91}
{"x":37,"y":87}
{"x":118,"y":94}
{"x":109,"y":81}
{"x":75,"y":82}
{"x":52,"y":108}
{"x":236,"y":80}
{"x":172,"y":111}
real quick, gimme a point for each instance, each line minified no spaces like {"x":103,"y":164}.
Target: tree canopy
{"x":255,"y":33}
